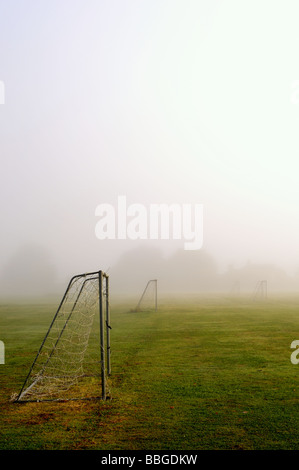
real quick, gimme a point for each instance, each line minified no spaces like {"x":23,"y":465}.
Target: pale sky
{"x":185,"y":101}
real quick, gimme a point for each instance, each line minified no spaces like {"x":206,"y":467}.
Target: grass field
{"x":199,"y":374}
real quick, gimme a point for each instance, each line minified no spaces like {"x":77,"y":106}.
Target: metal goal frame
{"x":104,"y":332}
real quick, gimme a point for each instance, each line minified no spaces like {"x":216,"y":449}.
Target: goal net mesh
{"x":68,"y":364}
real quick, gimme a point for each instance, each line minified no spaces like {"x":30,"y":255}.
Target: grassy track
{"x":198,"y":374}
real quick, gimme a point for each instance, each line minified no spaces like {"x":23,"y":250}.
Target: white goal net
{"x":74,"y":358}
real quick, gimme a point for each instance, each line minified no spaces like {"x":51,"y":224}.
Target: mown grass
{"x":198,"y":374}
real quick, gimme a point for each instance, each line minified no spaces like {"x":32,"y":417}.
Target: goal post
{"x":149,"y":297}
{"x":73,"y":361}
{"x":261,"y":290}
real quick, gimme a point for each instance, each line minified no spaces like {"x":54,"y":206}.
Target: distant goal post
{"x":261,"y":290}
{"x":73,"y":361}
{"x":149,"y":297}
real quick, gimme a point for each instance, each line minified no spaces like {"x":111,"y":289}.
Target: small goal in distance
{"x":73,"y":361}
{"x":149,"y":298}
{"x":260,"y":291}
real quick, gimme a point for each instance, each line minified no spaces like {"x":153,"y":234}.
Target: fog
{"x":185,"y":102}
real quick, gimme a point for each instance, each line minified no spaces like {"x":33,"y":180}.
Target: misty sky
{"x":183,"y":101}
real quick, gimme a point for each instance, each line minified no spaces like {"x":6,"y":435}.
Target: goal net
{"x":260,"y":292}
{"x":148,"y":299}
{"x":73,"y":361}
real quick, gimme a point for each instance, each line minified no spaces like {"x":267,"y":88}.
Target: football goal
{"x":73,"y":361}
{"x":260,"y":291}
{"x":149,"y":297}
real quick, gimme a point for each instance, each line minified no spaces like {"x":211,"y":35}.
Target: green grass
{"x":198,"y":374}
